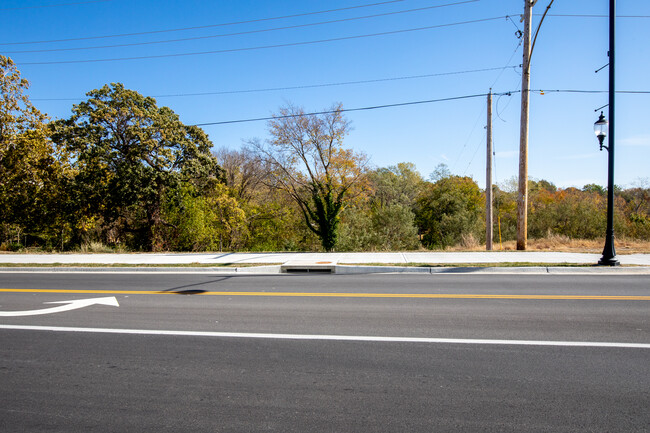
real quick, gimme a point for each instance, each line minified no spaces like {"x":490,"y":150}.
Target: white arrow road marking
{"x":69,"y":305}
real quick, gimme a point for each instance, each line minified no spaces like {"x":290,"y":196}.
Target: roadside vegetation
{"x":123,"y":174}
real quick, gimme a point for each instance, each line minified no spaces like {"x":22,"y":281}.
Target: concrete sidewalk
{"x":397,"y":258}
{"x":426,"y":261}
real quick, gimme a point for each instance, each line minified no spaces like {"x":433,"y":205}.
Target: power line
{"x":248,"y":32}
{"x":378,"y":80}
{"x":469,"y":137}
{"x":289,"y":44}
{"x":307,"y":86}
{"x":593,"y":16}
{"x":345,"y":110}
{"x":243,"y":22}
{"x":631,"y":92}
{"x":85,"y":38}
{"x":404,"y":104}
{"x":496,"y":108}
{"x":507,"y":63}
{"x":518,"y":33}
{"x":54,"y":5}
{"x":478,"y":146}
{"x":554,"y":91}
{"x":544,"y":91}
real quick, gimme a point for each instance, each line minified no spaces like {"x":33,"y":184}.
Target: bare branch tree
{"x":244,"y":170}
{"x":306,"y":159}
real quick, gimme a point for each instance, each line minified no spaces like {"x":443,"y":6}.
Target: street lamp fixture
{"x":600,"y":128}
{"x":609,"y":253}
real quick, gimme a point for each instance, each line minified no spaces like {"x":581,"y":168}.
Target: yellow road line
{"x":342,"y":295}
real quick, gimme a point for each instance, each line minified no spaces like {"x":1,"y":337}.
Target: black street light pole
{"x":609,"y":253}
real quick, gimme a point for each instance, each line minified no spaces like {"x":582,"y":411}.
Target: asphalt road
{"x":448,"y":353}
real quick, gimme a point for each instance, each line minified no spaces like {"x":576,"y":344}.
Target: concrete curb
{"x":343,"y":270}
{"x":143,"y":270}
{"x":601,"y":270}
{"x":538,"y":270}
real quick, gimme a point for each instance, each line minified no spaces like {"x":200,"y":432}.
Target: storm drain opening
{"x":309,"y":271}
{"x":308,"y":267}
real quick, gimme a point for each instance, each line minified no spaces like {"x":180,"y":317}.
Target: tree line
{"x":124,"y":173}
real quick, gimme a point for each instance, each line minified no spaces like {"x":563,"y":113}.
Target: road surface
{"x":197,"y":352}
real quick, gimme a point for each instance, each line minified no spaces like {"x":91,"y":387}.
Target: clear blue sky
{"x":247,"y":81}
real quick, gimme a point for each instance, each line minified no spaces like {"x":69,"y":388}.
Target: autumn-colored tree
{"x":569,"y":212}
{"x":31,"y":172}
{"x":17,"y":114}
{"x":637,"y":209}
{"x":272,"y":222}
{"x":307,"y":160}
{"x":123,"y":170}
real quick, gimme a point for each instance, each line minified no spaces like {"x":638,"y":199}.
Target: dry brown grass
{"x":565,"y":244}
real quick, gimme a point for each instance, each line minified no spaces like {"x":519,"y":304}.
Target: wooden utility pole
{"x":488,"y":178}
{"x":522,"y":200}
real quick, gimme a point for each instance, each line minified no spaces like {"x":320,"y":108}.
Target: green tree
{"x":540,"y":185}
{"x":128,"y":154}
{"x":395,"y":190}
{"x":505,"y":213}
{"x":394,"y":228}
{"x":205,"y":222}
{"x":397,"y":184}
{"x":275,"y":223}
{"x":306,"y":159}
{"x":384,"y":220}
{"x":449,"y":209}
{"x":592,"y":187}
{"x":440,"y":172}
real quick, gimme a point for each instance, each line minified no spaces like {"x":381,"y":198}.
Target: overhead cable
{"x":248,"y":32}
{"x":289,"y":44}
{"x":345,"y":110}
{"x":54,"y":5}
{"x":306,"y":86}
{"x":631,"y":92}
{"x":478,"y":146}
{"x":404,"y":104}
{"x":593,"y":16}
{"x":469,"y":137}
{"x":85,"y":38}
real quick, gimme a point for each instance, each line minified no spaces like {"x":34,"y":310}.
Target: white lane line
{"x":330,"y":337}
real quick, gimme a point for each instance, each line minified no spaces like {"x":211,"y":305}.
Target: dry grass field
{"x":563,"y":244}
